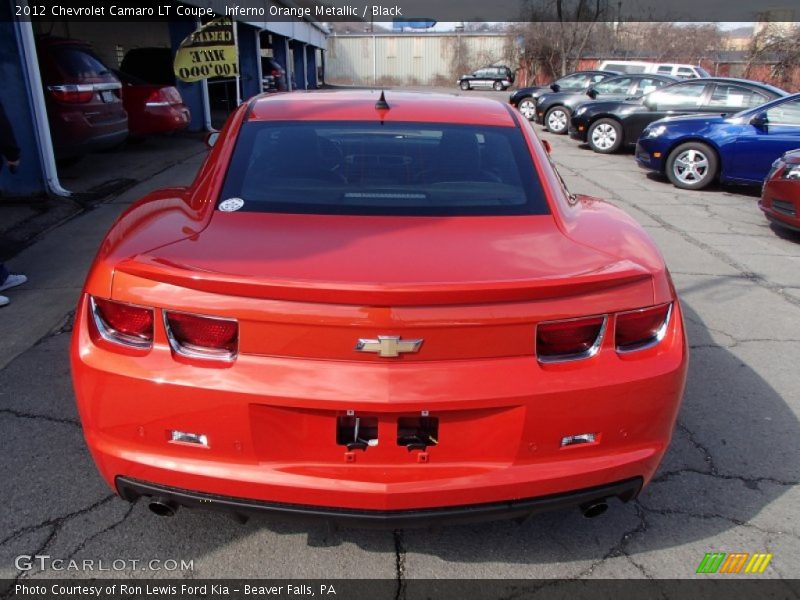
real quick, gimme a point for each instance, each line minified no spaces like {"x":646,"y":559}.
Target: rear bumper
{"x":159,"y":119}
{"x":270,"y":423}
{"x":131,"y":490}
{"x":74,"y":134}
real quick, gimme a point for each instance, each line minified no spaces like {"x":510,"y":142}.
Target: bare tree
{"x":557,"y":34}
{"x":679,"y":42}
{"x":778,"y":44}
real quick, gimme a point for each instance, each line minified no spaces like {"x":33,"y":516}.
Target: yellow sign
{"x":208,"y":52}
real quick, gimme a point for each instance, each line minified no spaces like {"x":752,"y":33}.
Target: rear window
{"x":374,"y":168}
{"x":79,"y":63}
{"x":153,"y":65}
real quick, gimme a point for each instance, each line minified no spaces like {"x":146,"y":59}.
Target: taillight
{"x":198,"y":336}
{"x":643,"y":328}
{"x":157,"y":98}
{"x":122,"y":323}
{"x":72,"y":94}
{"x":572,"y":339}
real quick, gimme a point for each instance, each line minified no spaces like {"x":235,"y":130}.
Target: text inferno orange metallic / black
{"x":378,"y":311}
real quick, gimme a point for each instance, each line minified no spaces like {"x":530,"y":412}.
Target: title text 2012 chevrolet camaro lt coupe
{"x":379,"y":310}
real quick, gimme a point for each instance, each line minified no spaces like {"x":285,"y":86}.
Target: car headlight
{"x":655,"y":131}
{"x":792,"y":172}
{"x":580,"y":111}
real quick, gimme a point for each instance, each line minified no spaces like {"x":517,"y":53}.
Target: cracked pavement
{"x":729,"y":481}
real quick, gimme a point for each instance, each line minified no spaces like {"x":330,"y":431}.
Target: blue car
{"x":695,"y":150}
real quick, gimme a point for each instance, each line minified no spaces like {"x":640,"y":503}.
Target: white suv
{"x":637,"y":66}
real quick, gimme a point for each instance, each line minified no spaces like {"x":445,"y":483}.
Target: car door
{"x":730,"y":98}
{"x":680,"y":99}
{"x":760,"y":143}
{"x":483,"y":78}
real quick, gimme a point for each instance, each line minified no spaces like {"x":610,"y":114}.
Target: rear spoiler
{"x":615,"y":274}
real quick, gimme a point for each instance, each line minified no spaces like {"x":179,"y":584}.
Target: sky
{"x":450,"y":25}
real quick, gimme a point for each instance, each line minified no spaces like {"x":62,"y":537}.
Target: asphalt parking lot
{"x":729,"y":482}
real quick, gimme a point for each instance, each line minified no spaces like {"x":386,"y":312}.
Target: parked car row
{"x":694,"y":132}
{"x":92,"y":107}
{"x":553,"y":110}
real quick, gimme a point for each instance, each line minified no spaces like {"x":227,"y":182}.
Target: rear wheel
{"x":557,"y":120}
{"x":527,"y":107}
{"x":465,"y":85}
{"x":498,"y":86}
{"x":605,"y":136}
{"x":692,"y":166}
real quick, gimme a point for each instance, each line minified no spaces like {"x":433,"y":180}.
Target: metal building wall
{"x":425,"y":59}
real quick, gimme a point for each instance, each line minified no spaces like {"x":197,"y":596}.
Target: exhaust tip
{"x":594,"y":509}
{"x":162,"y":507}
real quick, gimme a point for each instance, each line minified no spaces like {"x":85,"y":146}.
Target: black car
{"x":525,"y":98}
{"x":553,"y":109}
{"x":607,"y":126}
{"x":496,"y":78}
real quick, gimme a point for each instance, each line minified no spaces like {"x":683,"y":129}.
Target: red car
{"x":379,"y":310}
{"x":82,"y":96}
{"x":780,"y":196}
{"x":152,"y":108}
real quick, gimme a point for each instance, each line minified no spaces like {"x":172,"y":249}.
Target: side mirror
{"x":592,"y":93}
{"x":555,"y":87}
{"x":649,"y":102}
{"x":759,"y":120}
{"x":212,"y":138}
{"x":547,"y":147}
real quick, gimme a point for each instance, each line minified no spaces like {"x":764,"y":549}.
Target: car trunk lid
{"x":312,"y":286}
{"x":384,"y":261}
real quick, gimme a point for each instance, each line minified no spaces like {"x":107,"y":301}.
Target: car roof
{"x":597,"y":71}
{"x":663,"y":76}
{"x":745,"y":82}
{"x":359,"y":105}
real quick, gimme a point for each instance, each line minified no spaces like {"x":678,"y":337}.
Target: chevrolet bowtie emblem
{"x":388,"y":346}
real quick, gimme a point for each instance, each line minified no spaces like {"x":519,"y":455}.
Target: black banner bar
{"x":713,"y":11}
{"x":707,"y":587}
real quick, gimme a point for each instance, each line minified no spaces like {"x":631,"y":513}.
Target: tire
{"x":527,"y":107}
{"x":557,"y":120}
{"x":605,"y":136}
{"x":498,"y":86}
{"x":692,"y":166}
{"x":465,"y":85}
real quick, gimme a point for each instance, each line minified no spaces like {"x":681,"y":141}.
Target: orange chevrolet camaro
{"x":378,"y":309}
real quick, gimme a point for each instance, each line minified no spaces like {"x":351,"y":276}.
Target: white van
{"x":639,"y":66}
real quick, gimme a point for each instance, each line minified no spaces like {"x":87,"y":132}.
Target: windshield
{"x":374,"y":168}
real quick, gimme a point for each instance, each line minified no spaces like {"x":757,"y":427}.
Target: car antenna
{"x":381,"y":104}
